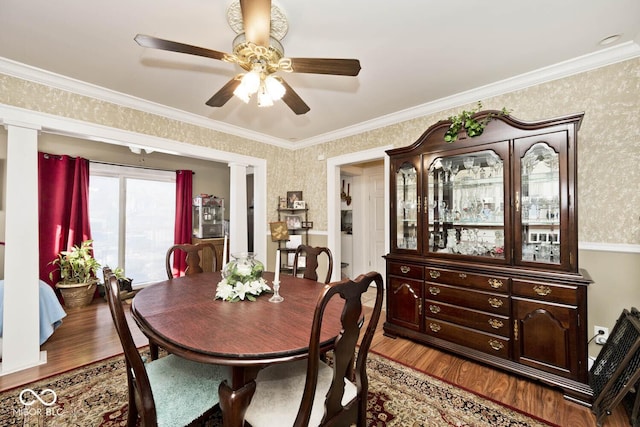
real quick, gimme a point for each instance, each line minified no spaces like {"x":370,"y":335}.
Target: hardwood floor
{"x":87,"y":335}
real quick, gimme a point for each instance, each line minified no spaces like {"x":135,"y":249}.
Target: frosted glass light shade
{"x":251,"y":82}
{"x":274,"y":87}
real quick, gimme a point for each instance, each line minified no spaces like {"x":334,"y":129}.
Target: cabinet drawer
{"x":411,"y":271}
{"x":492,"y":323}
{"x":567,"y":294}
{"x":472,"y":280}
{"x":484,"y":301}
{"x":487,"y":343}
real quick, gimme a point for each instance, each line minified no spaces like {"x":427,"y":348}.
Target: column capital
{"x":238,"y":165}
{"x":25,"y":125}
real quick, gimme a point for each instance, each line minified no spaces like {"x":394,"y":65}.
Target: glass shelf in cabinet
{"x":471,"y":183}
{"x":541,"y":222}
{"x":541,"y":177}
{"x":477,"y":223}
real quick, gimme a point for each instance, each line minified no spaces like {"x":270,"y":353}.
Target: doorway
{"x":362,"y":216}
{"x":368,"y":172}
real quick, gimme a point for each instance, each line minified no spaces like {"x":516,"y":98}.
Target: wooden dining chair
{"x":193,"y":255}
{"x":310,"y":269}
{"x":311,"y":392}
{"x":170,"y":391}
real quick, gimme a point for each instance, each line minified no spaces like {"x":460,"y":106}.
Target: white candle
{"x":277,"y":276}
{"x":224,"y":252}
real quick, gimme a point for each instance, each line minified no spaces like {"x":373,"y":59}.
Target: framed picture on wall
{"x":299,"y":204}
{"x":293,"y":222}
{"x":279,"y":231}
{"x":293,"y":196}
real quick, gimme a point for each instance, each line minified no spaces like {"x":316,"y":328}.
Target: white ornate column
{"x":238,"y":233}
{"x":21,"y":336}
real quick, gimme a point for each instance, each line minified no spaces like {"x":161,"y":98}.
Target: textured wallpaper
{"x":608,"y":145}
{"x":608,"y":151}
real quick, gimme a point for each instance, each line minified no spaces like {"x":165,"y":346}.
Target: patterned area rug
{"x":96,"y":395}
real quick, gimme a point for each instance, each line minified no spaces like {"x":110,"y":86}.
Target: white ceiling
{"x":415,"y":55}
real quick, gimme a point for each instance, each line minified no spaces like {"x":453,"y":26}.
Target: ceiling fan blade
{"x":256,"y":16}
{"x":293,"y":100}
{"x":340,"y":67}
{"x":156,"y":43}
{"x":223,"y":95}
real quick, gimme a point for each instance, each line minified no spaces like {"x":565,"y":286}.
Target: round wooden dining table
{"x":182,"y":316}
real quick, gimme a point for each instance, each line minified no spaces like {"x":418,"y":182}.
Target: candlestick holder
{"x":276,"y":292}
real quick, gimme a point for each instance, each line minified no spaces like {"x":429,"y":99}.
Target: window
{"x":132,"y":215}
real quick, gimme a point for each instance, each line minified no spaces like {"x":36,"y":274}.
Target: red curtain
{"x":183,"y":226}
{"x":63,"y":211}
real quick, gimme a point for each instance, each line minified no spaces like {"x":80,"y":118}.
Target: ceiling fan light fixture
{"x":264,"y":98}
{"x":242,"y":93}
{"x":251,"y":82}
{"x":274,"y":87}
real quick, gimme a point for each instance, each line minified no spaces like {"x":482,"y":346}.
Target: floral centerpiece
{"x":242,"y":279}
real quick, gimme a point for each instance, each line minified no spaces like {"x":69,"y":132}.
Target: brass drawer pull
{"x":433,"y":290}
{"x":495,"y":302}
{"x":496,"y":345}
{"x":542,"y":290}
{"x":434,"y":327}
{"x":434,"y":309}
{"x":495,"y":283}
{"x":495,"y":323}
{"x":434,"y":274}
{"x":405,"y":269}
{"x":462,"y":276}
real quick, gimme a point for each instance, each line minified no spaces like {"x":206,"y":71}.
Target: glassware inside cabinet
{"x":466,"y":204}
{"x":407,"y":207}
{"x":540,"y":204}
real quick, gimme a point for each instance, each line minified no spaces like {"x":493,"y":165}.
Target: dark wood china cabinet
{"x":484,"y":248}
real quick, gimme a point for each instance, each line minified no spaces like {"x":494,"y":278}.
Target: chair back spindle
{"x":193,"y":256}
{"x":311,"y":255}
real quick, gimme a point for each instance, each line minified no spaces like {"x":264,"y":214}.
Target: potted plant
{"x":78,"y":270}
{"x":465,"y":122}
{"x":124,"y":282}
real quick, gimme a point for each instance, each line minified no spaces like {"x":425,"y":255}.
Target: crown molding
{"x":601,"y":58}
{"x":612,"y":55}
{"x":58,"y":81}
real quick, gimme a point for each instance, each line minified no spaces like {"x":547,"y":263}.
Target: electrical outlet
{"x":602,"y":334}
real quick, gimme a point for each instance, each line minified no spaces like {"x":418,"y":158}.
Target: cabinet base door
{"x":545,"y":336}
{"x":404,"y":302}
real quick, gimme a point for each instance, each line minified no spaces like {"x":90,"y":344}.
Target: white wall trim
{"x":333,"y":197}
{"x":601,"y":58}
{"x":609,"y":247}
{"x":94,"y":132}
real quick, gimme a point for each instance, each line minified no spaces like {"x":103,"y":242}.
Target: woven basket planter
{"x":77,"y":295}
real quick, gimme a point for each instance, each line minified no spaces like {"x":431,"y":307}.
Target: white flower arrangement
{"x":242,"y":279}
{"x":240,"y":291}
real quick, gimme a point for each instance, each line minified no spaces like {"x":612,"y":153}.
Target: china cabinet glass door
{"x":407,"y":208}
{"x":540,"y":201}
{"x":466,"y":205}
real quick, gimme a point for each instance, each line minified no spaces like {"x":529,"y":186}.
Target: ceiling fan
{"x":261,"y":56}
